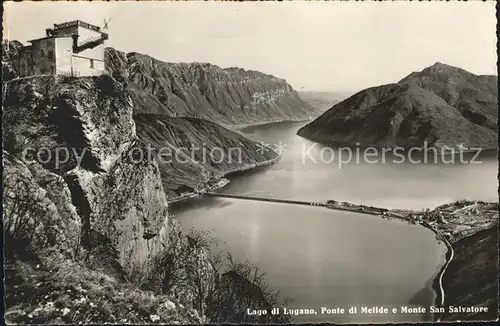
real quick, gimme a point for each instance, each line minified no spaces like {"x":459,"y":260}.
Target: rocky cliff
{"x":88,"y":204}
{"x":82,"y":131}
{"x":84,"y":210}
{"x":184,"y":104}
{"x":441,"y":105}
{"x":228,"y":96}
{"x":471,"y":279}
{"x":37,"y":209}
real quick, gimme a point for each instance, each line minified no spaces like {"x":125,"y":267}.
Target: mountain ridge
{"x":218,"y":99}
{"x":228,"y":96}
{"x":441,"y":105}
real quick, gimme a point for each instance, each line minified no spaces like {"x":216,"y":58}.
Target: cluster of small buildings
{"x":73,"y":48}
{"x":415,"y":217}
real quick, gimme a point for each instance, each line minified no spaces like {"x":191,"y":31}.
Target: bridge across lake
{"x":330,"y":205}
{"x":284,"y":201}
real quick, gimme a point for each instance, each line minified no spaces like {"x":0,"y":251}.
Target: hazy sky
{"x":323,"y":46}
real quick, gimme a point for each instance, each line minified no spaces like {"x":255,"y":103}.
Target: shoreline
{"x":247,"y":167}
{"x":437,"y":278}
{"x":437,"y":283}
{"x":403,"y":149}
{"x":222,"y":181}
{"x":442,"y":234}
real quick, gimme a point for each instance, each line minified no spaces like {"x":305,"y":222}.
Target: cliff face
{"x":471,"y":279}
{"x":178,"y":108}
{"x":83,"y":189}
{"x":82,"y":131}
{"x":227,"y":96}
{"x":192,"y":152}
{"x":175,"y":105}
{"x":441,"y":105}
{"x":48,"y":280}
{"x":47,"y":217}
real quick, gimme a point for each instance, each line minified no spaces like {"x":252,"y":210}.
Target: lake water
{"x":326,"y":258}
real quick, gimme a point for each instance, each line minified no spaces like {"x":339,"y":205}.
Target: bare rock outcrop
{"x":82,"y":130}
{"x":37,"y":210}
{"x":10,"y":54}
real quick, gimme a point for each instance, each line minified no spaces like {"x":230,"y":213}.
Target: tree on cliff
{"x":240,"y":287}
{"x":219,"y":287}
{"x":184,"y":269}
{"x":29,"y":222}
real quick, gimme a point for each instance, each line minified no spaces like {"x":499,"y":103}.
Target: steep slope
{"x":46,"y":200}
{"x":86,"y":220}
{"x":195,"y":152}
{"x":472,"y":277}
{"x":441,"y":105}
{"x":83,"y":211}
{"x":202,"y":91}
{"x":82,"y":130}
{"x":227,"y":96}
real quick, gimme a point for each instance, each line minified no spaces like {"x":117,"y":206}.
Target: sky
{"x":315,"y":46}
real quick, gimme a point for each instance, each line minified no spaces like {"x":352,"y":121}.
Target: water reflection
{"x":327,"y":258}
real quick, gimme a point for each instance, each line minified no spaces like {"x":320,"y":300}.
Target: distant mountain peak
{"x":230,"y":96}
{"x":438,"y":70}
{"x":440,"y":67}
{"x":442,"y":104}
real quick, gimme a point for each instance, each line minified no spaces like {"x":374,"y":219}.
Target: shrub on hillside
{"x":60,"y":291}
{"x":217,"y":286}
{"x":243,"y":286}
{"x":28,"y":221}
{"x":36,"y":217}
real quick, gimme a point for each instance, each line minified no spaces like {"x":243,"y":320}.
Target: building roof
{"x":47,"y":37}
{"x":52,"y":32}
{"x":77,"y":23}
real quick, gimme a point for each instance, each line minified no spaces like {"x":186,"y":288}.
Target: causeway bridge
{"x":284,"y":201}
{"x":362,"y":210}
{"x":336,"y":206}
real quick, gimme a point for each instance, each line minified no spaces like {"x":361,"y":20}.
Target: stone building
{"x":73,"y":48}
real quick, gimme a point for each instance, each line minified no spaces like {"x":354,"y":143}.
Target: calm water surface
{"x":325,"y":258}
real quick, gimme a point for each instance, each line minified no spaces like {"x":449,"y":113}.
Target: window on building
{"x":42,"y":53}
{"x":91,"y":63}
{"x":50,"y":55}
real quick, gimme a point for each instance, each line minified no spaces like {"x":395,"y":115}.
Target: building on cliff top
{"x":73,"y":48}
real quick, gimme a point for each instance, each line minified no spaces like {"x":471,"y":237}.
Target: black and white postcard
{"x":233,"y":162}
